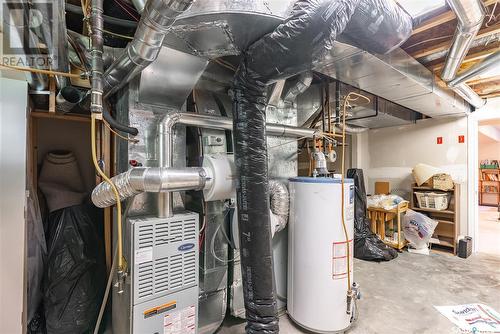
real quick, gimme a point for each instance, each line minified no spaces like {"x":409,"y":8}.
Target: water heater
{"x":317,"y":253}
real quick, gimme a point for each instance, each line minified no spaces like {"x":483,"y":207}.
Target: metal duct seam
{"x":149,"y":179}
{"x":157,"y":18}
{"x":279,"y":198}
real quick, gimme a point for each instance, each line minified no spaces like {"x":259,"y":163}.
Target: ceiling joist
{"x":473,"y":56}
{"x":443,"y":18}
{"x":485,"y":32}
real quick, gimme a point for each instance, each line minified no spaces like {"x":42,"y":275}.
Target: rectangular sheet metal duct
{"x":395,"y":76}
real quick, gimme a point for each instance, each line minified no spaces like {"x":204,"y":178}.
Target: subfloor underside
{"x":399,"y":296}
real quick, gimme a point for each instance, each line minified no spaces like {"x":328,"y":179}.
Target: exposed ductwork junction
{"x":150,"y":179}
{"x":157,"y":18}
{"x":470,"y":15}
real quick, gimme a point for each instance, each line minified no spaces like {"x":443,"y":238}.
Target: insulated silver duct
{"x":303,"y":83}
{"x":478,"y":69}
{"x":139,"y":5}
{"x":96,"y":102}
{"x":157,"y":18}
{"x":279,"y":204}
{"x":469,"y":95}
{"x":470,"y":15}
{"x":166,"y":149}
{"x":149,"y":179}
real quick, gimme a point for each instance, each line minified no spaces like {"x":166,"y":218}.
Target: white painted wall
{"x":13,"y":104}
{"x":393,"y":152}
{"x":489,"y":149}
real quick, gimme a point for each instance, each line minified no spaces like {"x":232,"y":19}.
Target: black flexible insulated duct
{"x":289,"y":50}
{"x":307,"y":35}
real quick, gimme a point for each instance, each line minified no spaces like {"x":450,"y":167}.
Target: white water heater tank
{"x":317,"y":253}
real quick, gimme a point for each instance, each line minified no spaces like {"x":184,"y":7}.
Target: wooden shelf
{"x":490,"y":198}
{"x":432,"y":189}
{"x":63,"y":117}
{"x":440,"y":221}
{"x":448,"y":220}
{"x":443,"y":242}
{"x":448,"y":212}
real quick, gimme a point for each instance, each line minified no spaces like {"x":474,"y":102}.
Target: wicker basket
{"x":436,"y":201}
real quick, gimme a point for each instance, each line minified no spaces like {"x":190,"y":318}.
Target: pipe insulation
{"x":156,"y":19}
{"x":150,"y":179}
{"x":308,"y":34}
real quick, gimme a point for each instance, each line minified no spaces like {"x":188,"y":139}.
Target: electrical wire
{"x":36,"y":70}
{"x":344,"y":226}
{"x":113,"y":188}
{"x":117,"y":35}
{"x":122,"y":6}
{"x":492,"y":16}
{"x":212,"y":242}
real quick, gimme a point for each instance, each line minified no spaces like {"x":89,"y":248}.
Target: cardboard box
{"x":382,"y":188}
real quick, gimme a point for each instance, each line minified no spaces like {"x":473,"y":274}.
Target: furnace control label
{"x":180,"y":322}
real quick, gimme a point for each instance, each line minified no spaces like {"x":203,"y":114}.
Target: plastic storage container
{"x":436,"y":201}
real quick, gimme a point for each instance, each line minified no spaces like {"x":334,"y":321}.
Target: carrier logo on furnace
{"x":186,"y":247}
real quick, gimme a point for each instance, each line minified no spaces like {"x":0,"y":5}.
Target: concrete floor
{"x":398,"y":296}
{"x":489,"y":230}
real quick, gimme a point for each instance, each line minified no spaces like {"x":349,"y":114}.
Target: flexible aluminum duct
{"x":290,"y":49}
{"x":470,"y":15}
{"x":279,"y":204}
{"x":157,"y":18}
{"x":149,"y":179}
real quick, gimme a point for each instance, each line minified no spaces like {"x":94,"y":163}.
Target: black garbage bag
{"x":367,"y":245}
{"x":75,"y":275}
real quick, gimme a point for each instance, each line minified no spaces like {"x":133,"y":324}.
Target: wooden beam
{"x":63,"y":117}
{"x":443,"y":18}
{"x":474,"y":55}
{"x":487,"y":88}
{"x":446,"y":45}
{"x":483,"y":80}
{"x":489,"y":96}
